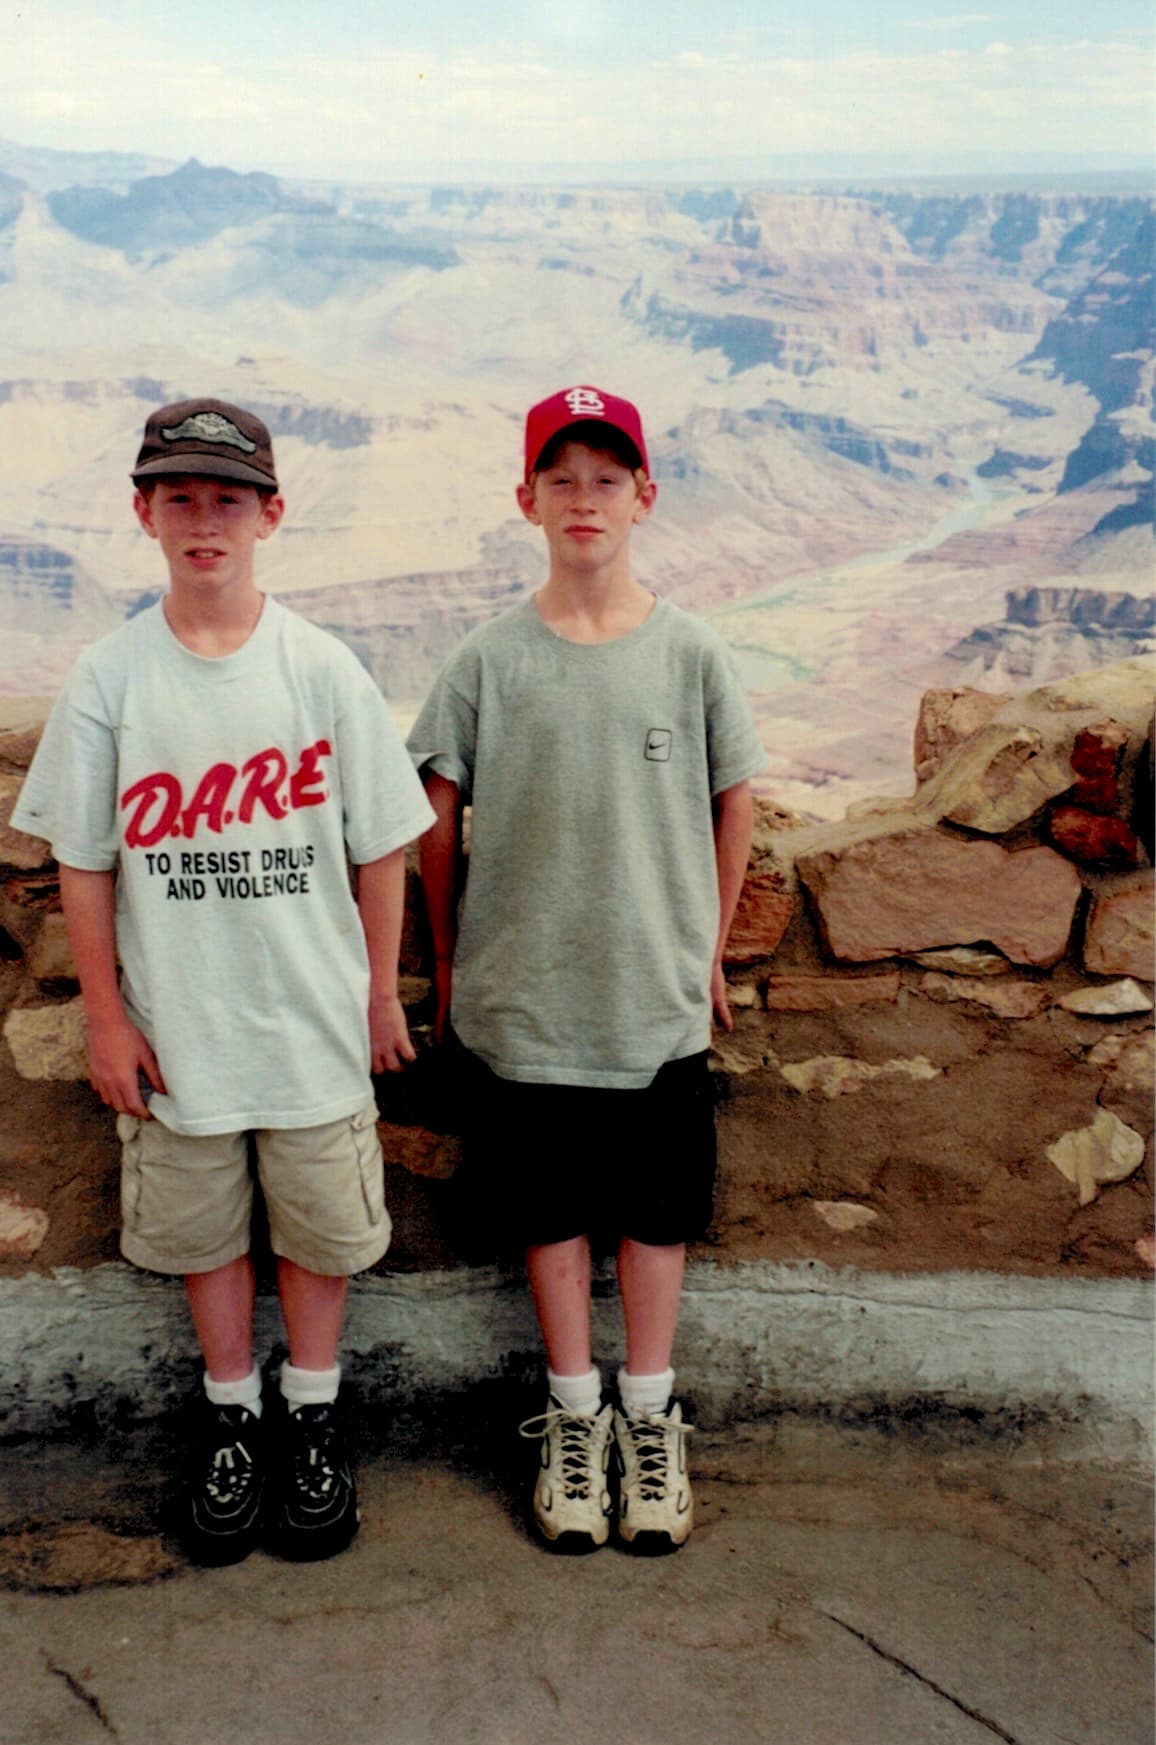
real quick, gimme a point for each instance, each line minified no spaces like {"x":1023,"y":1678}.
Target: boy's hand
{"x":443,"y":987}
{"x":718,"y":998}
{"x":117,"y":1056}
{"x":389,"y":1043}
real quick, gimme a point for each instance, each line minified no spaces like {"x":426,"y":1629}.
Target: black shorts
{"x":545,"y":1163}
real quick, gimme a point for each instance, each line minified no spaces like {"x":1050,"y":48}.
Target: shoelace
{"x":313,"y":1466}
{"x":576,"y":1474}
{"x":228,"y":1476}
{"x":649,"y":1439}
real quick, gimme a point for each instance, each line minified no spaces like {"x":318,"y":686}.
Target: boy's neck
{"x":213,"y":625}
{"x":593,"y":609}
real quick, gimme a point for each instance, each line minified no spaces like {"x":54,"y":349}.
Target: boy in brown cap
{"x":202,"y":779}
{"x":604,"y":742}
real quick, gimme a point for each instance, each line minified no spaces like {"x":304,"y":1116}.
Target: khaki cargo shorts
{"x":186,"y":1203}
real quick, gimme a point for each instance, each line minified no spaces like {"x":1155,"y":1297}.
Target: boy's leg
{"x":221,"y":1304}
{"x":655,"y":1503}
{"x":560,"y":1275}
{"x":650,"y":1283}
{"x":313,"y":1307}
{"x":327,"y":1220}
{"x":571,"y":1499}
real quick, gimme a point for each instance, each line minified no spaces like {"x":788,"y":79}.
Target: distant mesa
{"x":1069,"y":626}
{"x":45,"y":592}
{"x":193,"y":204}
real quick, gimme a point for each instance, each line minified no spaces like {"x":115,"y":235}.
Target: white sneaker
{"x":655,"y":1501}
{"x":571,"y":1498}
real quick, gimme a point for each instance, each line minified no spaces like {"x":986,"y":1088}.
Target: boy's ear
{"x":644,"y":500}
{"x":527,"y":504}
{"x":272,"y":510}
{"x":144,"y":513}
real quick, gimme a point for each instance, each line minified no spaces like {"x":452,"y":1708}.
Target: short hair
{"x":592,"y":433}
{"x":149,"y":483}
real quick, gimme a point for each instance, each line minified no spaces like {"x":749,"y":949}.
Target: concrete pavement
{"x":923,"y":1578}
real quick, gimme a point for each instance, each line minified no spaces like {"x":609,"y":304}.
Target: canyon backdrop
{"x":903,"y":432}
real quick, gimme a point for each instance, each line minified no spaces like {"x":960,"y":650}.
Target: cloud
{"x":393,"y":115}
{"x":960,"y":21}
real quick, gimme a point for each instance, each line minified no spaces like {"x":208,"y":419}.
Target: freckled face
{"x":586,"y":503}
{"x":207,"y":528}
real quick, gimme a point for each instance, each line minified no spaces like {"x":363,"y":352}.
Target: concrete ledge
{"x":753,"y":1339}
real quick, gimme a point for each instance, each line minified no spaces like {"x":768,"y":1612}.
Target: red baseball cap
{"x":580,"y":406}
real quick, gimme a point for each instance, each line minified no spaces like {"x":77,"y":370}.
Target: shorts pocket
{"x":131,"y":1173}
{"x":370,"y":1169}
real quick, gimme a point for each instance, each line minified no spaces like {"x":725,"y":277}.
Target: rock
{"x":1128,"y":1061}
{"x":1007,"y":999}
{"x":1112,"y":1000}
{"x":998,"y":778}
{"x":795,"y":991}
{"x":963,"y":960}
{"x":762,"y":915}
{"x":1094,"y":840}
{"x":844,"y":1215}
{"x":1121,"y":937}
{"x":19,"y":741}
{"x":22,"y":1228}
{"x":28,"y":853}
{"x":50,"y":958}
{"x":908,"y":890}
{"x":1146,"y":1249}
{"x":1106,"y":1151}
{"x":1003,"y":774}
{"x":1097,"y":758}
{"x":946,"y":719}
{"x":49,"y":1042}
{"x":433,"y":1155}
{"x":747,"y":1048}
{"x":743,"y":995}
{"x":835,"y":1074}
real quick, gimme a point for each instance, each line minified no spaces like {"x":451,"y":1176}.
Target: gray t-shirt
{"x":590,"y":916}
{"x":227,"y":793}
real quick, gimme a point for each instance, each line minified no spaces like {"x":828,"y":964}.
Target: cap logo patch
{"x":209,"y":427}
{"x":586,"y":403}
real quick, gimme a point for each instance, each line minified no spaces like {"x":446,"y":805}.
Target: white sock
{"x":246,"y":1392}
{"x":309,"y":1387}
{"x":578,"y":1393}
{"x":648,"y":1394}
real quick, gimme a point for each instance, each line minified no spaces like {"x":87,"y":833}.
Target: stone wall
{"x":943,"y":1049}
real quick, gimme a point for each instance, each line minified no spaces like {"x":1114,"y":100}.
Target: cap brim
{"x":606,"y":423}
{"x":207,"y":466}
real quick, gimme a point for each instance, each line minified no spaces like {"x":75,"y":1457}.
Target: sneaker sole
{"x":306,"y":1545}
{"x":570,"y":1544}
{"x":648,"y":1544}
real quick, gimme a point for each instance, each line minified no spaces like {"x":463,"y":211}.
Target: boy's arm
{"x":441,"y":849}
{"x":381,"y":904}
{"x":117,"y":1051}
{"x":734,"y":815}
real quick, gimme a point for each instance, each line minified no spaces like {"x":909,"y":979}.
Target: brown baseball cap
{"x":207,"y":438}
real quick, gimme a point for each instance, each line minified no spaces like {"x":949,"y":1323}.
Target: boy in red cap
{"x":202,"y":779}
{"x":605,"y":745}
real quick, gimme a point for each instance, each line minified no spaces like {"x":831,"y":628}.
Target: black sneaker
{"x":226,"y":1485}
{"x":314,"y":1512}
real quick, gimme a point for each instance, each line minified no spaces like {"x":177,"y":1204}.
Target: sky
{"x":379,"y":90}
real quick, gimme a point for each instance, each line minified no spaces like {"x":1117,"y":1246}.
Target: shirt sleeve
{"x":444,"y":736}
{"x":734,"y":750}
{"x":69,"y":794}
{"x":383,"y":800}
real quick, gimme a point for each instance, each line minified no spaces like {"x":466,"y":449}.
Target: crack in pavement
{"x":81,"y":1694}
{"x":914,"y":1672}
